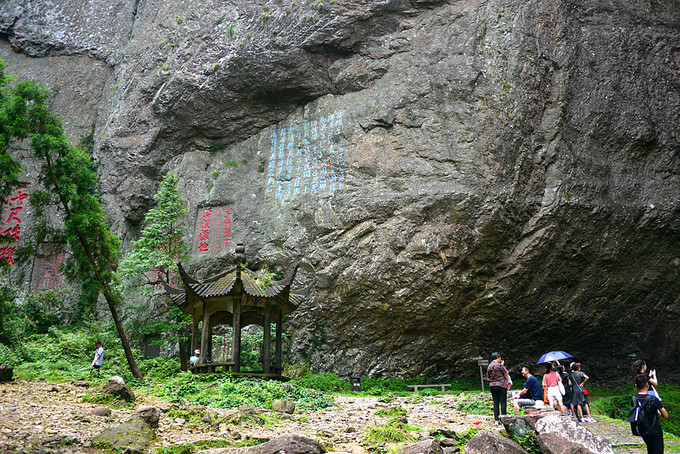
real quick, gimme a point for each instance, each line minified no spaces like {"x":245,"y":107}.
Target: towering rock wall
{"x":454,"y":177}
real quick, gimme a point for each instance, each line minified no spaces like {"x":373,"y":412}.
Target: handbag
{"x":560,"y":386}
{"x":585,"y":392}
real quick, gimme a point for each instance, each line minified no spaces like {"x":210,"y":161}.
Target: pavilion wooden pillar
{"x":194,"y":334}
{"x":267,"y":338}
{"x":205,"y":333}
{"x":279,"y":334}
{"x":236,"y":339}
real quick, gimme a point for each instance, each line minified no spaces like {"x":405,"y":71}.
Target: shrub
{"x":463,"y":437}
{"x":529,"y":443}
{"x":329,"y":383}
{"x":160,"y":368}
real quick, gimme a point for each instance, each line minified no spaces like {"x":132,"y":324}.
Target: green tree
{"x":161,"y":243}
{"x":154,"y":256}
{"x":69,"y":181}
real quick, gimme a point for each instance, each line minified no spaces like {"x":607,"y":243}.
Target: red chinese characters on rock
{"x":10,"y":224}
{"x":50,"y":276}
{"x":213,"y":229}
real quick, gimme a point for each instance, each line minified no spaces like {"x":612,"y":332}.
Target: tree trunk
{"x":123,"y":340}
{"x":183,"y":357}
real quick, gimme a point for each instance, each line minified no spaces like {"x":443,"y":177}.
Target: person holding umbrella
{"x":552,"y":380}
{"x":498,"y":378}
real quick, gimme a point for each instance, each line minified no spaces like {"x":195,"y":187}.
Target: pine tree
{"x":69,"y":181}
{"x":161,"y":243}
{"x":155,"y":255}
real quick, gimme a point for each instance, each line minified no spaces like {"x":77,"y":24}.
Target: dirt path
{"x":47,"y":417}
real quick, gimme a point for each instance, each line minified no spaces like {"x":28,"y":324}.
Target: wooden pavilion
{"x":238,"y":297}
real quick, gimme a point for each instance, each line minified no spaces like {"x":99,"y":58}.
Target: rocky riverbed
{"x":43,"y":417}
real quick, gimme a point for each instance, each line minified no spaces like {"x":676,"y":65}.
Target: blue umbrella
{"x":553,"y":356}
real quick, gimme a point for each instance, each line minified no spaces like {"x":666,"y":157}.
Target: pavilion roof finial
{"x":240,"y":256}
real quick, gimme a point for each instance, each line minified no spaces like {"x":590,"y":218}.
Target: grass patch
{"x":474,"y":404}
{"x":329,"y":383}
{"x":528,"y":442}
{"x":192,"y":417}
{"x":223,"y":391}
{"x":462,"y":438}
{"x":190,"y":448}
{"x":394,"y":431}
{"x":392,"y":412}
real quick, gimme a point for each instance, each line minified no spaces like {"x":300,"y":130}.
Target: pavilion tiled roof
{"x":223,"y":284}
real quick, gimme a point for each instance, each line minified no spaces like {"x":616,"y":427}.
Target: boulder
{"x":250,"y":412}
{"x":492,"y":443}
{"x":132,"y":436}
{"x":519,"y":425}
{"x":429,"y":446}
{"x":151,"y":415}
{"x":284,"y":406}
{"x":100,"y":411}
{"x":117,"y":379}
{"x":118,"y":389}
{"x":561,"y":435}
{"x":448,"y":433}
{"x":288,"y":444}
{"x":6,"y":373}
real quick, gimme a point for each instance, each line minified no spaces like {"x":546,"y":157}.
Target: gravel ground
{"x":37,"y":416}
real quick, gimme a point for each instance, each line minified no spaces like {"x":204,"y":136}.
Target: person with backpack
{"x":644,"y":416}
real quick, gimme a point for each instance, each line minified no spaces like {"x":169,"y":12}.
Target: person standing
{"x":498,"y":377}
{"x":580,"y":379}
{"x":653,"y":408}
{"x":98,"y":356}
{"x":552,"y":380}
{"x":640,"y":367}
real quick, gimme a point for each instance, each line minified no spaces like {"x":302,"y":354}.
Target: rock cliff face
{"x":454,"y":177}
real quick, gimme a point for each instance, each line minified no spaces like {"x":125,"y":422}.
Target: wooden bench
{"x":442,"y":386}
{"x":210,"y":367}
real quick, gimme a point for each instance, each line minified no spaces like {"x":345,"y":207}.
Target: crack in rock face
{"x":454,"y":178}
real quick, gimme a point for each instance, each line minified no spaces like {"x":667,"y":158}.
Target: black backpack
{"x":640,"y":424}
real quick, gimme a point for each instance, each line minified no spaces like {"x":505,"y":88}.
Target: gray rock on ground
{"x":492,"y":443}
{"x":284,"y":406}
{"x":118,"y":387}
{"x":6,"y":373}
{"x":429,"y":446}
{"x":132,"y":436}
{"x":100,"y":411}
{"x":288,"y":444}
{"x":151,"y":415}
{"x":559,"y":434}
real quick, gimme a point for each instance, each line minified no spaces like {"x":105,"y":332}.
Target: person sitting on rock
{"x":532,"y":392}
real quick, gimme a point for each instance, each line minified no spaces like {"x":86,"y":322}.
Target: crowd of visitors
{"x":565,"y":391}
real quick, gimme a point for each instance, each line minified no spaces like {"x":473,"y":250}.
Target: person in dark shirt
{"x":531,"y":393}
{"x":653,"y":408}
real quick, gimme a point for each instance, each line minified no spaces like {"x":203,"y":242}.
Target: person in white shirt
{"x":98,"y":357}
{"x":194,"y":359}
